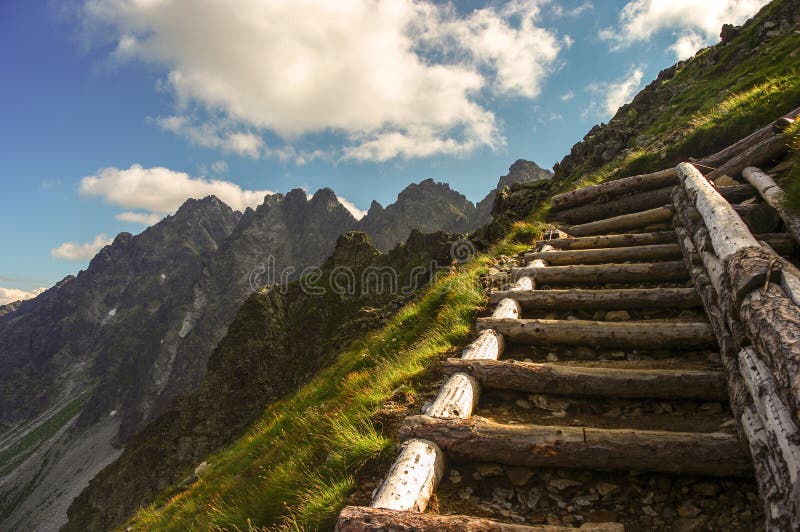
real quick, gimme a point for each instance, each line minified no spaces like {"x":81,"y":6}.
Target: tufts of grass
{"x":792,"y":181}
{"x":297,"y":463}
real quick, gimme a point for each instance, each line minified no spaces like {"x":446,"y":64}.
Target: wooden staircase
{"x":599,"y":378}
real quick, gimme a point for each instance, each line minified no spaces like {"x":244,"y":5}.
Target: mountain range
{"x":91,"y":361}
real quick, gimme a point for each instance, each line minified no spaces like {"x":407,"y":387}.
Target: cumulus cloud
{"x":80,"y":251}
{"x":613,"y":94}
{"x":160,"y":190}
{"x":144,"y":218}
{"x":350,"y":206}
{"x":9,"y":295}
{"x":693,"y":23}
{"x":386,"y":75}
{"x":559,"y":10}
{"x":567,"y":96}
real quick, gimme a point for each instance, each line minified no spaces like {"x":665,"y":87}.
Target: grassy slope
{"x":295,"y":467}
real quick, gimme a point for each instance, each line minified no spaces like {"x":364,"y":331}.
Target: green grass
{"x":296,"y":465}
{"x":11,"y":457}
{"x":792,"y":181}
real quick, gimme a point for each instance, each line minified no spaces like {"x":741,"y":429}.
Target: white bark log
{"x":488,"y":346}
{"x":774,"y":196}
{"x":412,"y":478}
{"x":457,"y":398}
{"x":507,"y":308}
{"x":773,"y":413}
{"x":728,"y":232}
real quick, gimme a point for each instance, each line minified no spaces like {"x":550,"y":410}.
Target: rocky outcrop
{"x":278,"y":339}
{"x":520,"y":172}
{"x":628,"y":131}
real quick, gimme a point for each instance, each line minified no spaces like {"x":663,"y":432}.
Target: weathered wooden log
{"x":640,"y":202}
{"x":774,"y":196}
{"x":607,"y":273}
{"x":767,"y":150}
{"x":507,"y":308}
{"x":456,"y":398}
{"x":412,"y":478}
{"x":614,"y":241}
{"x":715,"y":454}
{"x":632,"y":334}
{"x":782,"y":243}
{"x":521,"y":284}
{"x":623,"y":222}
{"x":753,"y":139}
{"x":560,"y":379}
{"x":612,"y":299}
{"x":758,"y":217}
{"x":488,"y":346}
{"x":774,"y":415}
{"x":782,"y":124}
{"x":728,"y":231}
{"x":361,"y":519}
{"x":601,"y":256}
{"x":610,"y":189}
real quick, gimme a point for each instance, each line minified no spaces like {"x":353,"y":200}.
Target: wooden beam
{"x":640,"y":201}
{"x":623,"y":222}
{"x":560,"y":379}
{"x":716,"y":454}
{"x":456,"y":398}
{"x":412,"y":478}
{"x":507,"y":308}
{"x":361,"y":519}
{"x":632,"y":334}
{"x":487,"y":346}
{"x":774,"y":196}
{"x":600,"y":256}
{"x":768,"y":149}
{"x":614,"y":241}
{"x":614,"y":188}
{"x":728,"y":232}
{"x":609,"y":299}
{"x":775,"y":417}
{"x":607,"y":273}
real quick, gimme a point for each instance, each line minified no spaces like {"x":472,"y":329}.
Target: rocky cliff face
{"x":278,"y":339}
{"x":520,"y":172}
{"x":115,"y":345}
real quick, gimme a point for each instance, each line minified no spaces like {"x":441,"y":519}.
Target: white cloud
{"x":560,"y":11}
{"x":78,"y":251}
{"x":9,"y":295}
{"x":161,"y":190}
{"x":687,"y":45}
{"x":616,"y":93}
{"x":693,"y":23}
{"x":386,"y":75}
{"x":355,"y":211}
{"x":144,"y":218}
{"x":220,"y":167}
{"x":567,"y":96}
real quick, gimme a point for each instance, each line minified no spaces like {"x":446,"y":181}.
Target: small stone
{"x":522,"y":403}
{"x":648,"y":510}
{"x":465,"y":494}
{"x":489,"y":470}
{"x":531,"y":500}
{"x":614,"y":412}
{"x":202,"y":468}
{"x":559,"y":484}
{"x":711,"y":407}
{"x":604,"y":488}
{"x":688,"y":509}
{"x":455,"y":476}
{"x":618,"y":315}
{"x":552,"y":357}
{"x":519,"y":476}
{"x":617,"y":354}
{"x":706,"y":489}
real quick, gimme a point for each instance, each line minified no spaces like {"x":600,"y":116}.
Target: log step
{"x":631,"y":334}
{"x":613,"y":241}
{"x":627,"y":298}
{"x":559,"y":379}
{"x":606,"y":273}
{"x":623,"y":222}
{"x":599,"y":256}
{"x":473,"y":440}
{"x":361,"y":519}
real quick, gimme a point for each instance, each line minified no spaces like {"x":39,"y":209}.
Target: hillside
{"x":330,"y":442}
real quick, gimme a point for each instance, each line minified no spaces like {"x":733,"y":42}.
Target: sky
{"x":114,"y":112}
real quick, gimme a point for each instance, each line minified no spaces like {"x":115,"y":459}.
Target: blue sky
{"x":115,"y":111}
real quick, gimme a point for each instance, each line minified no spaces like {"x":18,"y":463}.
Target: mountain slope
{"x":295,"y":470}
